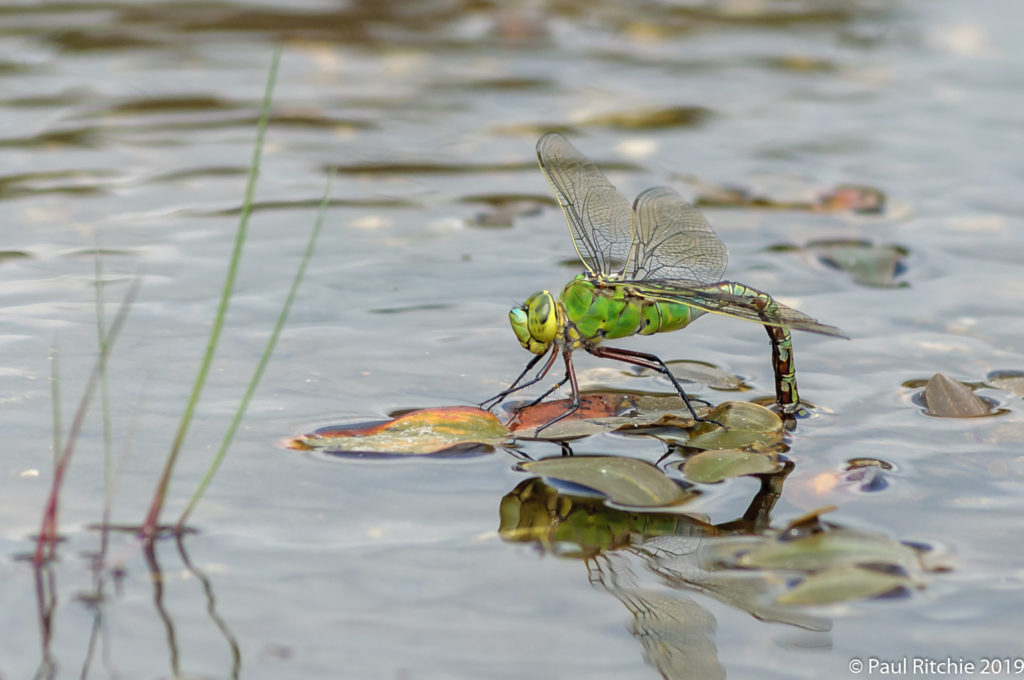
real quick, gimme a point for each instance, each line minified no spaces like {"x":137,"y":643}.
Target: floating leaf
{"x":685,"y":370}
{"x":855,"y":198}
{"x":705,"y":374}
{"x":532,"y":202}
{"x":725,"y":196}
{"x":605,"y":377}
{"x":948,"y":398}
{"x":808,"y":523}
{"x":596,"y":413}
{"x":626,"y":481}
{"x":867,"y":473}
{"x":504,"y":208}
{"x":708,"y":467}
{"x":798,"y":62}
{"x":646,"y":119}
{"x":660,"y":410}
{"x":870,"y":264}
{"x":747,"y":425}
{"x":535,"y":130}
{"x":1011,"y":381}
{"x":600,"y":412}
{"x":844,"y":584}
{"x":13,"y":255}
{"x":419,"y":432}
{"x":855,"y":463}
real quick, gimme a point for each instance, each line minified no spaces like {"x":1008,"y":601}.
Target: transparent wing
{"x":673,"y":241}
{"x":599,"y":216}
{"x":734,"y":299}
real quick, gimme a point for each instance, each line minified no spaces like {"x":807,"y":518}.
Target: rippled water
{"x":130,"y":126}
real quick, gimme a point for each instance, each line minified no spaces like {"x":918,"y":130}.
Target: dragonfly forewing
{"x":599,"y":217}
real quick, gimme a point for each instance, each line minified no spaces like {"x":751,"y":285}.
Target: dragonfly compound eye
{"x":541,"y":318}
{"x":517,"y":317}
{"x":520,"y":319}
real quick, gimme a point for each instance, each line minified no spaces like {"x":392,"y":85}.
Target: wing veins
{"x":673,"y":240}
{"x":598,"y":215}
{"x":715,"y":300}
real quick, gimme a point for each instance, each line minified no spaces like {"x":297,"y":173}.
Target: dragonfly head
{"x":536,"y":321}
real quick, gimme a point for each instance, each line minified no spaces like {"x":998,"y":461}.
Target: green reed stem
{"x":268,"y":350}
{"x":55,"y":399}
{"x":108,"y":464}
{"x":150,"y":525}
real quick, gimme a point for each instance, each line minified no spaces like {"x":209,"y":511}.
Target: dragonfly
{"x":652,"y":267}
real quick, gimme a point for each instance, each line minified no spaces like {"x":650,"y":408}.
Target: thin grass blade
{"x":149,"y":526}
{"x":55,"y":400}
{"x":108,"y":464}
{"x":264,"y":359}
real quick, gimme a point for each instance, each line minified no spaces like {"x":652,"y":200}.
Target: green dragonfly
{"x":652,"y":268}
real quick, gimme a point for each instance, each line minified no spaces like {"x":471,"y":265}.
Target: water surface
{"x":130,"y":125}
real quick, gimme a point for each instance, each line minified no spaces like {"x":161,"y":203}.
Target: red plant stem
{"x":48,"y":529}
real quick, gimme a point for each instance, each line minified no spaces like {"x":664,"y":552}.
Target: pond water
{"x":129,"y":126}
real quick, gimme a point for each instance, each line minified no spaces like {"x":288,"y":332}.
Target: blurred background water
{"x":130,"y":125}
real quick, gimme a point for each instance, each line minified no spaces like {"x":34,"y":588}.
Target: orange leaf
{"x":419,"y":432}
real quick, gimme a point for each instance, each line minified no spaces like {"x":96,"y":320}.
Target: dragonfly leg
{"x":654,"y":363}
{"x":515,"y":386}
{"x":570,"y":375}
{"x":549,"y":391}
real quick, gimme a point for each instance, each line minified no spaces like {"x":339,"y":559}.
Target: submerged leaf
{"x":626,"y":481}
{"x":948,"y":398}
{"x":870,"y":264}
{"x":844,"y":584}
{"x":419,"y":432}
{"x":708,"y":467}
{"x":1011,"y":381}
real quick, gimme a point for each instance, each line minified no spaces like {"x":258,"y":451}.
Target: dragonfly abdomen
{"x":663,"y":317}
{"x":786,"y":395}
